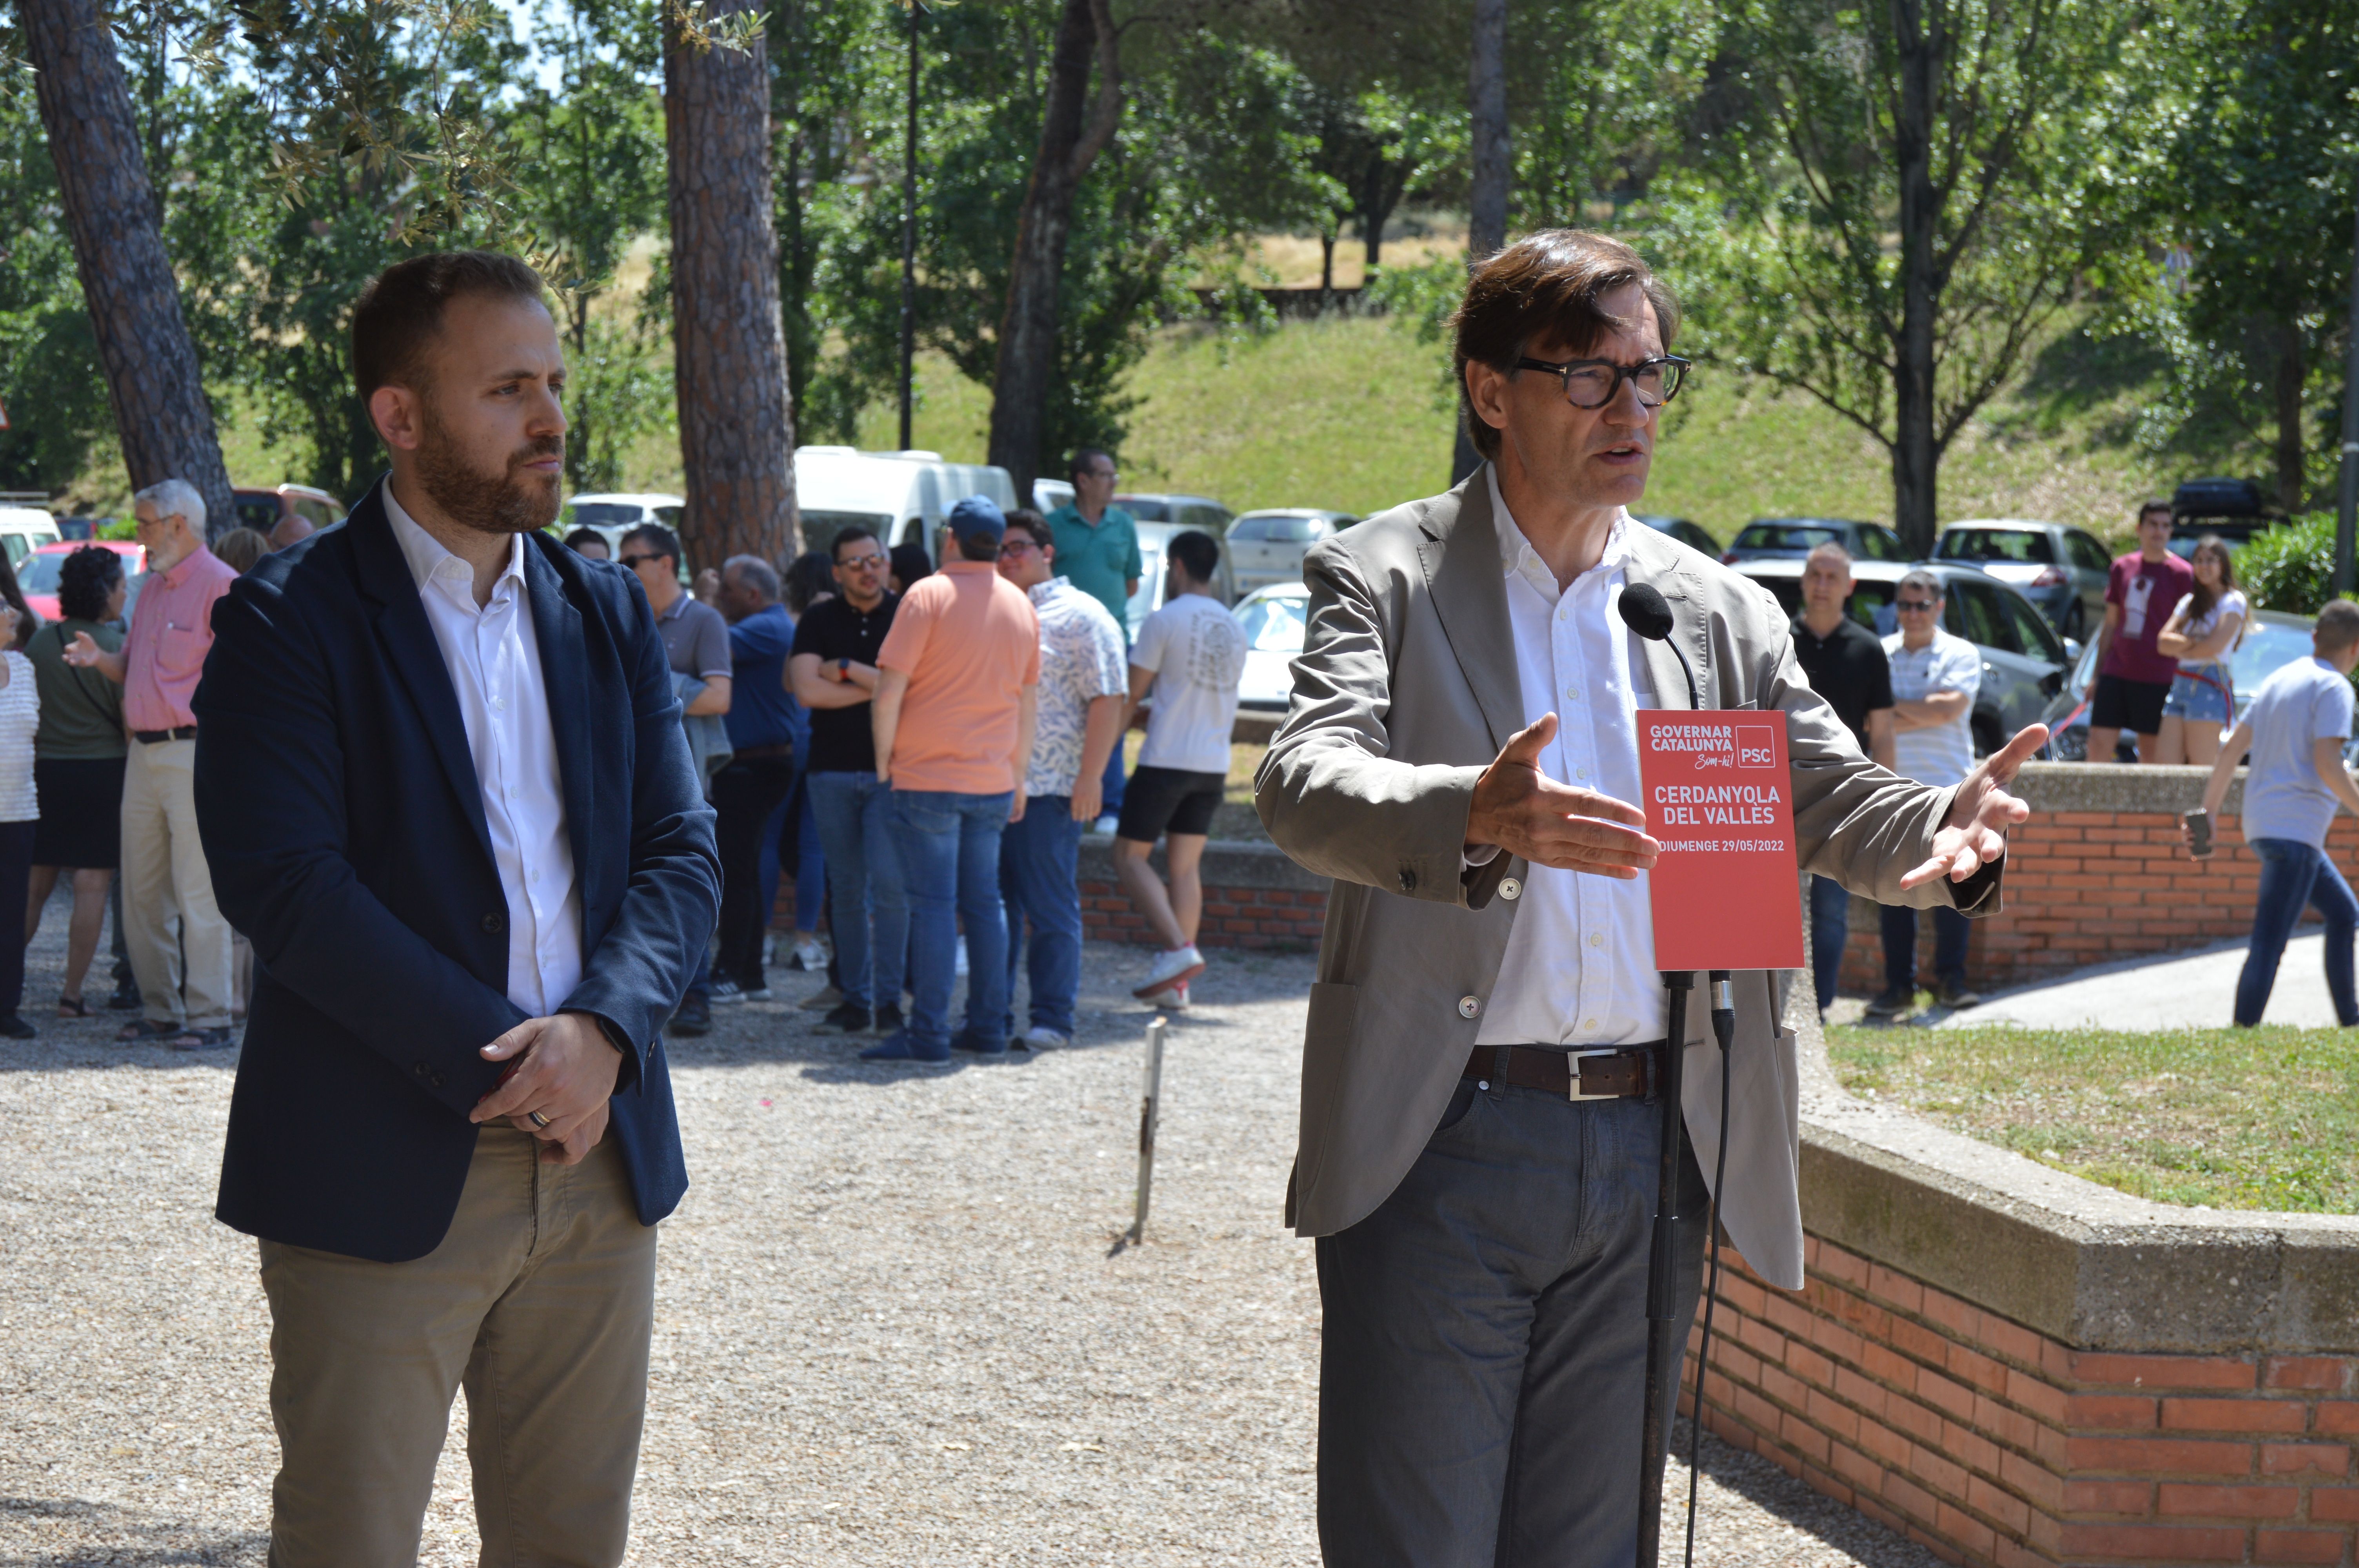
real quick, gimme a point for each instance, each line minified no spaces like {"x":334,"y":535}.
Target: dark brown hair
{"x":1546,"y":286}
{"x":2338,"y":624}
{"x":2200,"y":599}
{"x":2147,"y":508}
{"x":1035,"y":526}
{"x":399,"y":314}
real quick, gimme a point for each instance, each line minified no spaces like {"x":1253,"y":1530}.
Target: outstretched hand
{"x":1530,"y":815}
{"x":1974,"y":836}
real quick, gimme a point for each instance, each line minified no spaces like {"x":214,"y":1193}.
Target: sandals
{"x":73,"y":1007}
{"x":148,"y":1032}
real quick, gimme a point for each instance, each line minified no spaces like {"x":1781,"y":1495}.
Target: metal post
{"x":2347,"y":514}
{"x":1663,"y":1353}
{"x":909,"y":238}
{"x":1150,"y":1104}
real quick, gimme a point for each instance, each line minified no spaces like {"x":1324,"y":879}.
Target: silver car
{"x":1267,"y":546}
{"x":2024,"y":661}
{"x":2058,"y":568}
{"x":1274,"y":619}
{"x":1180,"y":511}
{"x":1154,"y":578}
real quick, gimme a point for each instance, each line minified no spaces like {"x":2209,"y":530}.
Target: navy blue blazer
{"x":344,"y":826}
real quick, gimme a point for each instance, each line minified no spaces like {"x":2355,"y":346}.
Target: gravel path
{"x":894,"y":1323}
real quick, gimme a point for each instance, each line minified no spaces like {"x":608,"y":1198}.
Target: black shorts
{"x":1165,"y":800}
{"x":2125,"y":704}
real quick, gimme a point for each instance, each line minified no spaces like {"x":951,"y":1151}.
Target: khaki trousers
{"x":168,"y":891}
{"x":539,"y":1303}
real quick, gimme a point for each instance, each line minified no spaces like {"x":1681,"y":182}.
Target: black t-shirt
{"x":841,"y":740}
{"x":1848,"y":669}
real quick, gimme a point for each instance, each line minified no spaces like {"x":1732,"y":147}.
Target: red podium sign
{"x":1719,"y":801}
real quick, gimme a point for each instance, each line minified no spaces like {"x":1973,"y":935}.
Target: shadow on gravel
{"x":133,"y":1542}
{"x":63,"y":1051}
{"x":1790,"y":1500}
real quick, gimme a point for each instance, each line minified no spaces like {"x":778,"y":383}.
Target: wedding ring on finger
{"x":536,"y":1118}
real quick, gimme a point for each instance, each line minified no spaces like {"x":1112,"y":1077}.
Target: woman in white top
{"x":2201,"y":633}
{"x":21,"y":715}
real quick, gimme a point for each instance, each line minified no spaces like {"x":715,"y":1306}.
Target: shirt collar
{"x":1517,"y":558}
{"x":184,"y":565}
{"x":428,"y":561}
{"x":1040,"y":593}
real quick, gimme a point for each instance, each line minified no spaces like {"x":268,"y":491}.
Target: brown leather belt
{"x":1612,"y":1072}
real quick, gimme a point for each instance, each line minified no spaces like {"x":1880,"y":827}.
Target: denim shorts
{"x":2205,"y":701}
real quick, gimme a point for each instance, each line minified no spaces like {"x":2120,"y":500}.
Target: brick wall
{"x":1254,"y":897}
{"x":1990,"y":1442}
{"x":2097,"y":874}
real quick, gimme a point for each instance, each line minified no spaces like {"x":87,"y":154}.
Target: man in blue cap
{"x":956,"y":682}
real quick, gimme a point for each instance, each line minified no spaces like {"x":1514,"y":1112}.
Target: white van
{"x":901,"y":497}
{"x":22,"y":530}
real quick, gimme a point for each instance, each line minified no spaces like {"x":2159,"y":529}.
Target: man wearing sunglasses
{"x":833,"y":672}
{"x":1477,"y":1158}
{"x":1934,"y":678}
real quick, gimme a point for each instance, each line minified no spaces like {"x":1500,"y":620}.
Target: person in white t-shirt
{"x":2203,"y":631}
{"x":1934,"y":678}
{"x":1185,"y":665}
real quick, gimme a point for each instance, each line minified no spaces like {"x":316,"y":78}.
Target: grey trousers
{"x":1481,"y":1374}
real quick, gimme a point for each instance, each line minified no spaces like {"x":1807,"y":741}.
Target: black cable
{"x":1712,"y":1290}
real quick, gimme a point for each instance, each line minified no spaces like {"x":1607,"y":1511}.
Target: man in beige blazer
{"x":1461,"y":758}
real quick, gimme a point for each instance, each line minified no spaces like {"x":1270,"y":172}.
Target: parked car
{"x":24,"y":529}
{"x":2058,"y":568}
{"x":2272,"y":640}
{"x":1687,"y":532}
{"x":1792,"y":538}
{"x":39,"y":576}
{"x":901,"y":497}
{"x":1267,"y":546}
{"x":1154,"y":579}
{"x":262,"y":509}
{"x":1048,"y":494}
{"x":1274,"y":619}
{"x":2235,"y":509}
{"x":2024,"y":661}
{"x":1181,"y":511}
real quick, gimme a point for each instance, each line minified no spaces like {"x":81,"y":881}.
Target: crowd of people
{"x":949,"y":734}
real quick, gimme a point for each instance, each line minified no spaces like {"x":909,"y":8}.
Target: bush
{"x":2290,"y":566}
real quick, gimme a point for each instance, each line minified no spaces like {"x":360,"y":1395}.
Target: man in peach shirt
{"x":184,"y":976}
{"x":957,"y":679}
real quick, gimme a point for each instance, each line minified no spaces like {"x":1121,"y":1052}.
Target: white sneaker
{"x":1039,"y":1037}
{"x":1176,"y":967}
{"x":958,"y":967}
{"x":1171,"y":998}
{"x":1106,"y":824}
{"x":809,"y":955}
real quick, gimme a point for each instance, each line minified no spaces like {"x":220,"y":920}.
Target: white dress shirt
{"x":1580,"y":965}
{"x":493,"y":658}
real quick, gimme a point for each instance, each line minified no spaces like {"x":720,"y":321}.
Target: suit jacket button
{"x":492,"y":923}
{"x":1469,"y":1006}
{"x":420,"y":1070}
{"x":438,"y":1080}
{"x":1511,"y":888}
{"x":1409,"y":879}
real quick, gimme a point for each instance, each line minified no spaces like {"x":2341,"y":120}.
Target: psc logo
{"x":1756,"y":746}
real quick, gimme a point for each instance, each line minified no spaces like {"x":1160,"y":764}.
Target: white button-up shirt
{"x":493,"y":657}
{"x":1580,"y":965}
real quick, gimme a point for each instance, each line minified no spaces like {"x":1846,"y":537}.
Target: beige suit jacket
{"x":1405,"y":689}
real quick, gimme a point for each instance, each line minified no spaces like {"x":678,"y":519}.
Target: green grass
{"x":2256,"y":1118}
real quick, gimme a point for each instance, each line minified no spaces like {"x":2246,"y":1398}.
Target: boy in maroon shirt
{"x":2133,"y":678}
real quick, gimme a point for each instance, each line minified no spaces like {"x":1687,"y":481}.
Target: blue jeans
{"x":2295,"y":876}
{"x":950,"y":870}
{"x":863,"y":866}
{"x":1830,"y":929}
{"x":1113,"y":781}
{"x":1949,"y":931}
{"x":1483,"y":1357}
{"x":1039,"y":876}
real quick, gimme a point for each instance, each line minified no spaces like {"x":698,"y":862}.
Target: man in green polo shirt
{"x":1097,"y":552}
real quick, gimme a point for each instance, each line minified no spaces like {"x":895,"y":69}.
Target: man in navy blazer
{"x":443,"y":790}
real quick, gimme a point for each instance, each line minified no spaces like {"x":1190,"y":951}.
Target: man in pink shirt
{"x":957,"y":677}
{"x":165,"y":879}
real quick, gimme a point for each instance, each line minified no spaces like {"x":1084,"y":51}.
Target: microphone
{"x":1644,"y":612}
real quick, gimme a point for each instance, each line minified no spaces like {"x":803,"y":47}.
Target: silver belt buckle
{"x":1576,"y":1058}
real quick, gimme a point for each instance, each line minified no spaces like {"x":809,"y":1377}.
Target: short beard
{"x":498,"y":504}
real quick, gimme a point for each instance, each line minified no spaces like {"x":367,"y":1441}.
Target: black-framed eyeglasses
{"x":1014,"y":548}
{"x":1593,"y":384}
{"x":1915,"y":606}
{"x":633,"y":561}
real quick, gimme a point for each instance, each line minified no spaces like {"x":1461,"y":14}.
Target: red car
{"x":38,"y":574}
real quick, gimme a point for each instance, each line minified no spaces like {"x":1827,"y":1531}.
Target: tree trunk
{"x":737,"y":431}
{"x":1486,"y":102}
{"x":1071,"y":136}
{"x":2292,"y":371}
{"x":1326,"y":265}
{"x":1916,"y":456}
{"x":152,"y":377}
